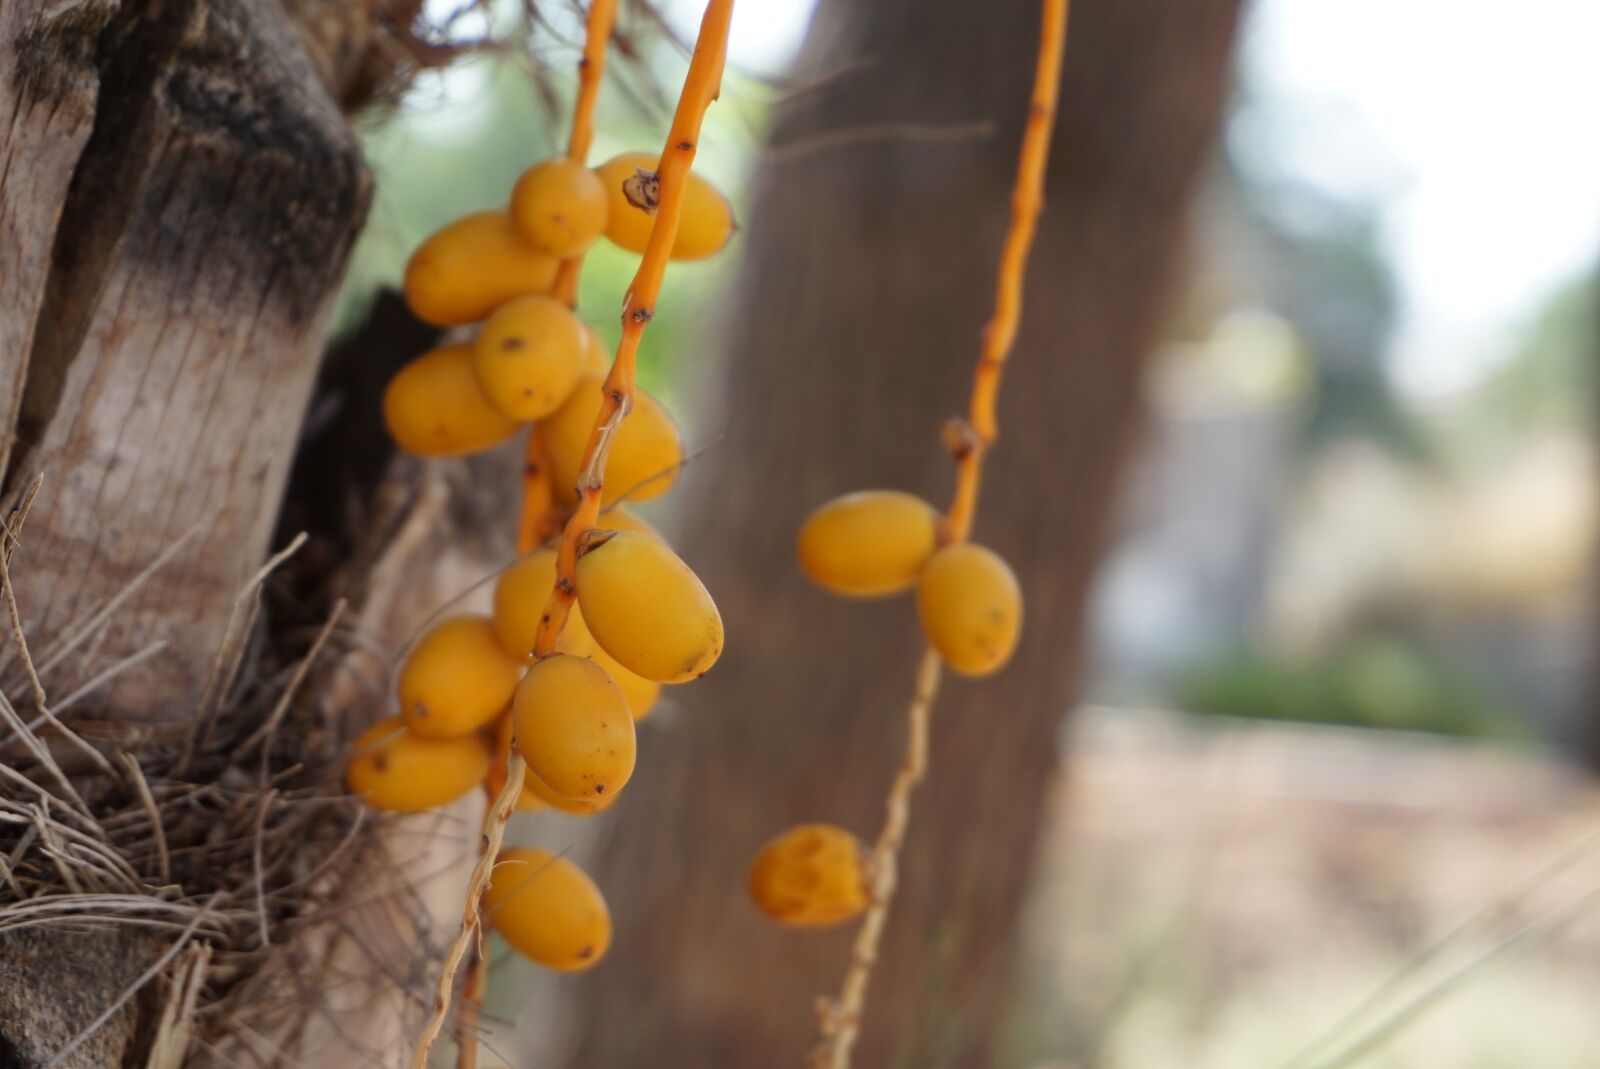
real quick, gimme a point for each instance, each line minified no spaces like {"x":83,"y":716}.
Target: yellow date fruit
{"x":810,"y":876}
{"x":578,"y":807}
{"x":472,"y":266}
{"x":434,"y":407}
{"x":868,"y":544}
{"x":559,"y":206}
{"x":457,"y":678}
{"x":647,"y":609}
{"x":640,"y":692}
{"x":971,"y":608}
{"x":393,"y":768}
{"x":520,"y":596}
{"x":547,"y":908}
{"x":499,"y":770}
{"x":573,"y":728}
{"x":528,"y":356}
{"x":704,"y":225}
{"x":596,"y":358}
{"x":645,"y":451}
{"x":621,"y":518}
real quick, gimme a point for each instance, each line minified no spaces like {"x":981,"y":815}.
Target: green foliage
{"x":1550,"y":383}
{"x":1372,"y":682}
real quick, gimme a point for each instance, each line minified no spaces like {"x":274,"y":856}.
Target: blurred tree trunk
{"x":867,"y":278}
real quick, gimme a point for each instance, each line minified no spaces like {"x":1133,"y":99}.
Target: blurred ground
{"x":1217,"y":893}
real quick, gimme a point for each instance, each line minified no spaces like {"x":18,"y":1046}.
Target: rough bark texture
{"x":867,"y":280}
{"x":190,"y":194}
{"x":33,"y":1029}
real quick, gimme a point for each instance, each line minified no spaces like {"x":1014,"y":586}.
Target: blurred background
{"x":1326,"y":791}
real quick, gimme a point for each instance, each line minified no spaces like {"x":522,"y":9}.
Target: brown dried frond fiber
{"x":228,"y":849}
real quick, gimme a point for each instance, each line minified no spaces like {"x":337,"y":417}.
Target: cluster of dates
{"x":472,"y":687}
{"x":870,"y":544}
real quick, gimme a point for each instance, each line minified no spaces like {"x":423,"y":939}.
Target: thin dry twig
{"x":101,"y":678}
{"x":281,"y":709}
{"x":142,"y":788}
{"x":41,"y":754}
{"x":230,"y":656}
{"x":1471,"y":925}
{"x":539,"y":518}
{"x":1528,"y":938}
{"x":14,"y":615}
{"x":175,"y":1027}
{"x":19,"y":516}
{"x":256,"y":853}
{"x":494,"y":835}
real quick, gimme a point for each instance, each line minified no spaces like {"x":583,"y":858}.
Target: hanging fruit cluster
{"x":873,"y":544}
{"x":533,"y":360}
{"x":876,"y":543}
{"x":583,"y":634}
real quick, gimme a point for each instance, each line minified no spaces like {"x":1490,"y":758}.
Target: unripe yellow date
{"x":520,"y":596}
{"x":577,"y":807}
{"x":457,"y":678}
{"x":868,"y":544}
{"x":596,"y":358}
{"x":573,"y":727}
{"x":645,"y":451}
{"x":547,"y":909}
{"x":470,"y":267}
{"x":810,"y":876}
{"x":434,"y":407}
{"x":640,"y":692}
{"x":971,"y":608}
{"x":704,"y":225}
{"x":619,"y":518}
{"x":396,"y":769}
{"x":559,"y":207}
{"x":499,"y":770}
{"x":647,"y":609}
{"x":528,"y":356}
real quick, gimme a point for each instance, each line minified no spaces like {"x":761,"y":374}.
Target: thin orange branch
{"x":536,"y":523}
{"x":841,"y":1016}
{"x":591,"y":71}
{"x":969,"y":441}
{"x":700,"y":87}
{"x":473,"y":991}
{"x":1027,"y":198}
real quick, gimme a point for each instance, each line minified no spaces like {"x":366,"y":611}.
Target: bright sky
{"x":764,"y":35}
{"x":1474,"y":122}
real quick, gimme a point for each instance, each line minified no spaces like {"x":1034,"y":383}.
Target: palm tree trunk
{"x":178,"y":194}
